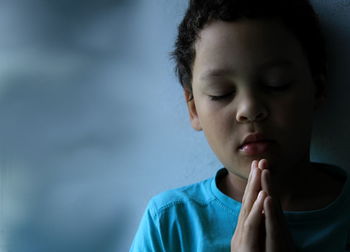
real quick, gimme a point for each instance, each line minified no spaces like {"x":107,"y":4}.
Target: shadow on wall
{"x":330,"y":135}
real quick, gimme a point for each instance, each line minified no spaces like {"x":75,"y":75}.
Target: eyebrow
{"x":276,"y":63}
{"x":219,"y":72}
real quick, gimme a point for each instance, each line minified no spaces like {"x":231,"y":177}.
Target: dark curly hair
{"x":298,"y":17}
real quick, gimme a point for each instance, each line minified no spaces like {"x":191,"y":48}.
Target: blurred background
{"x":93,"y":120}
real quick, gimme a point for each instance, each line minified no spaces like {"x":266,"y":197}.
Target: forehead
{"x":245,"y":46}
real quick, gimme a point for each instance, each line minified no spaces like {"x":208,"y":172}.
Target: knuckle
{"x":244,"y":212}
{"x":248,"y":226}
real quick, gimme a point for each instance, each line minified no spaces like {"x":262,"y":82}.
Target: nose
{"x":251,"y":108}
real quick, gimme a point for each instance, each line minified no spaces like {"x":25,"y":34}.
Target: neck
{"x":293,"y":183}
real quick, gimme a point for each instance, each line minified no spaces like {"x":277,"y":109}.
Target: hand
{"x":278,"y":237}
{"x":248,"y":234}
{"x":261,"y":225}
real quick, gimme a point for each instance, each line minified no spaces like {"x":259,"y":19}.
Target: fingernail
{"x":253,"y":163}
{"x":253,"y":168}
{"x":260,"y":195}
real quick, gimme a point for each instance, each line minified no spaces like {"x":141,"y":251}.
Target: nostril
{"x":252,"y":117}
{"x":242,"y":118}
{"x":260,"y":116}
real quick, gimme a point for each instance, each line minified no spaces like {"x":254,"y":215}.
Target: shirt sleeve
{"x":148,"y":236}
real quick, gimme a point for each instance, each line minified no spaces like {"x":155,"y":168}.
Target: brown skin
{"x":244,"y":62}
{"x":261,"y":224}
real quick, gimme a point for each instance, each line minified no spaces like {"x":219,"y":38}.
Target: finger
{"x":252,"y":189}
{"x":244,"y":210}
{"x":255,"y":215}
{"x":270,"y":218}
{"x":252,"y":170}
{"x":250,"y":193}
{"x":266,"y":182}
{"x":278,"y":237}
{"x":255,"y":218}
{"x":269,"y":224}
{"x":263,"y":164}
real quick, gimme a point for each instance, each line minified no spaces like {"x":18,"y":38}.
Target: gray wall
{"x":93,"y":121}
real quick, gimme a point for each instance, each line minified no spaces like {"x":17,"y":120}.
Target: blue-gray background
{"x":93,"y":121}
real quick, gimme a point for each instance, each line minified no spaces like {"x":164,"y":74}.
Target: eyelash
{"x":265,"y":86}
{"x":278,"y":88}
{"x":219,"y":97}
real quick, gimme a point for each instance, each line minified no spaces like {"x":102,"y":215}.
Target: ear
{"x":192,"y":110}
{"x":320,"y":91}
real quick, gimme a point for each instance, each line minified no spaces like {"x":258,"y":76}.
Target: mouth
{"x":255,"y":144}
{"x":255,"y":148}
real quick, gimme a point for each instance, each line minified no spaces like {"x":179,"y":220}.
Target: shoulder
{"x":332,"y":181}
{"x":327,"y":190}
{"x":194,"y":195}
{"x":174,"y":216}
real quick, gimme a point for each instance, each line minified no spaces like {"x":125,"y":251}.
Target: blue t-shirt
{"x":200,"y":217}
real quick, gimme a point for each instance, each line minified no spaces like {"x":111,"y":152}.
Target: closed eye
{"x":220,"y":97}
{"x":277,"y":87}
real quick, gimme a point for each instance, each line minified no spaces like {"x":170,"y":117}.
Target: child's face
{"x":263,"y":77}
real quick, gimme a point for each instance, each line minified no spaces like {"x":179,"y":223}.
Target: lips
{"x":255,"y":144}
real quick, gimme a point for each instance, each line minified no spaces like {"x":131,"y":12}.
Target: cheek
{"x":214,"y":124}
{"x":217,"y":124}
{"x":296,"y":109}
{"x":208,"y":115}
{"x":294,"y":120}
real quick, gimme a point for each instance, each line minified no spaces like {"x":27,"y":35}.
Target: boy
{"x":253,"y":73}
